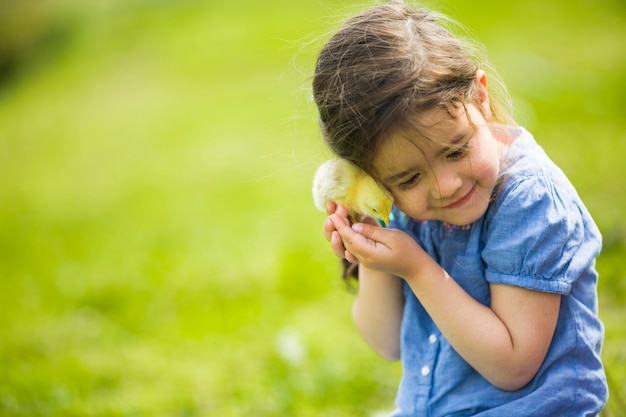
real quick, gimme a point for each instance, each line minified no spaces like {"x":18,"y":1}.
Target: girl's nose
{"x":446,"y":183}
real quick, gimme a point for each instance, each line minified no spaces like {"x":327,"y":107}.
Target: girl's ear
{"x":483,"y":95}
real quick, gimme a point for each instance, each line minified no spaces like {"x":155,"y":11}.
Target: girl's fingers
{"x":344,"y":230}
{"x":341,"y":210}
{"x":370,"y":220}
{"x":338,"y":215}
{"x":331,"y":234}
{"x":329,"y":228}
{"x":359,"y":237}
{"x":369,"y":231}
{"x":350,"y":258}
{"x":336,"y":244}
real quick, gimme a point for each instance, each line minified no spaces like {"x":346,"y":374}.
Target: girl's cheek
{"x":410,"y":203}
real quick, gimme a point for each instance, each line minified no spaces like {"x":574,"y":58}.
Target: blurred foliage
{"x":159,"y":250}
{"x":31,"y":30}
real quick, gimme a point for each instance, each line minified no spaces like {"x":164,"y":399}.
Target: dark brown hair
{"x":385,"y":65}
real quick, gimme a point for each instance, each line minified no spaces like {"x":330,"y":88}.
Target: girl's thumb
{"x":365,"y":229}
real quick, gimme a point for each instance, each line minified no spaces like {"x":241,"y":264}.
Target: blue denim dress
{"x":536,"y":234}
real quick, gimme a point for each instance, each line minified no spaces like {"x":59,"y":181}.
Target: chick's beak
{"x":384,"y":221}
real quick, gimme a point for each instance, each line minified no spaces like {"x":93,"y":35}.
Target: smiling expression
{"x":448,"y":176}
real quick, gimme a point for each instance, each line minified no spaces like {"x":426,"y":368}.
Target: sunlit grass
{"x":159,"y":250}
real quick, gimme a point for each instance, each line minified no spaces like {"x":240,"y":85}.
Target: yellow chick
{"x":344,"y":183}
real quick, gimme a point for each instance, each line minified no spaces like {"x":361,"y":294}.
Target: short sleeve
{"x":536,"y":236}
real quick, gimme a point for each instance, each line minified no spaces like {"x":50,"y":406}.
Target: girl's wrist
{"x":419,"y":266}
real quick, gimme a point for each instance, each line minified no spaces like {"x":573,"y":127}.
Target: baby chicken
{"x":344,"y":183}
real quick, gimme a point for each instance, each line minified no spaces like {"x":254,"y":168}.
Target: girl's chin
{"x":462,"y":217}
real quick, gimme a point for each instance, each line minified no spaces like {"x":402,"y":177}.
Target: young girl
{"x":484,"y":284}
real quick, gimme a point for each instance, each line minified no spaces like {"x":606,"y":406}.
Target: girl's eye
{"x":458,"y":153}
{"x":410,"y":182}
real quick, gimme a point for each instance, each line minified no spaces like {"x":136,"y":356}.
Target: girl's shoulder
{"x":537,"y":229}
{"x":525,"y":157}
{"x":527,"y":173}
{"x":534,"y":197}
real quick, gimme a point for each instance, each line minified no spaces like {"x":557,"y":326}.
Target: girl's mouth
{"x":463,"y":200}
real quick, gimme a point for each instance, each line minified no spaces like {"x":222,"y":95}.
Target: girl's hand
{"x":386,"y":250}
{"x":331,"y":234}
{"x":330,"y":231}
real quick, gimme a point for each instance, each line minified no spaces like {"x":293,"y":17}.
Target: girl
{"x":484,"y":284}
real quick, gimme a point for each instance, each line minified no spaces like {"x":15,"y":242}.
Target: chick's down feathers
{"x":344,"y":183}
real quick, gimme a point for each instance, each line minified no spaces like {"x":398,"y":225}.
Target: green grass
{"x":160,"y":254}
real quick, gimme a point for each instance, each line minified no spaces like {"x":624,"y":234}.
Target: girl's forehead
{"x":427,"y":131}
{"x":428,"y":135}
{"x":400,"y":152}
{"x":435,"y":124}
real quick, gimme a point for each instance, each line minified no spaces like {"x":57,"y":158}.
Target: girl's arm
{"x":377,"y":311}
{"x":505,"y":342}
{"x":379,"y":305}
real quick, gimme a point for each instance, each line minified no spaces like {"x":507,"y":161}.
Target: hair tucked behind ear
{"x":384,"y":65}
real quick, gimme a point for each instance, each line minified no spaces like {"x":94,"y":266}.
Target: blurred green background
{"x":160,"y":254}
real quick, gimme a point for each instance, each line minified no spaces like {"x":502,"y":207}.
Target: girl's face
{"x":451,"y":175}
